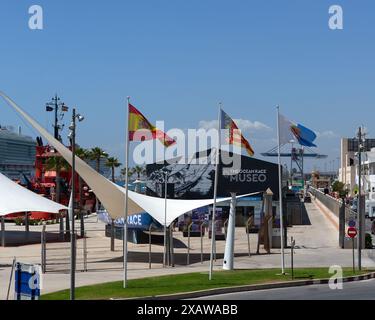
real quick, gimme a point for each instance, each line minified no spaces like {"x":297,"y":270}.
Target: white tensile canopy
{"x":15,"y":198}
{"x":175,"y":208}
{"x":111,"y":195}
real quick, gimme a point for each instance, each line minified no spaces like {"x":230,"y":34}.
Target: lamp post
{"x":360,"y":208}
{"x":72,"y":137}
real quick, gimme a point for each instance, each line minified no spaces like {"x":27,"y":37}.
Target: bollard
{"x":216,"y":222}
{"x":188,"y":247}
{"x":113,"y":235}
{"x":61,"y":227}
{"x":85,"y":269}
{"x":201,"y":230}
{"x":27,"y":226}
{"x":293,"y":243}
{"x":3,"y":231}
{"x":248,"y":236}
{"x":44,"y":250}
{"x":149,"y":246}
{"x":172,"y":245}
{"x":353,"y":243}
{"x":11,"y":277}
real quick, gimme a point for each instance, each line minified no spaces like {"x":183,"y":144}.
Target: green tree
{"x":139,"y":171}
{"x":113,"y":163}
{"x":97,"y":154}
{"x":130,"y":172}
{"x":339,"y":187}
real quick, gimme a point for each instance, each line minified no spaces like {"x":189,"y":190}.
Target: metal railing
{"x":188,"y":245}
{"x":91,"y":254}
{"x":338,"y":207}
{"x":328,"y":201}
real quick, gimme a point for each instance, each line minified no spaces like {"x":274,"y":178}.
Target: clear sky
{"x":177,"y":59}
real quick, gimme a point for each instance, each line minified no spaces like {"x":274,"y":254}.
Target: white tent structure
{"x":113,"y":196}
{"x":15,"y":198}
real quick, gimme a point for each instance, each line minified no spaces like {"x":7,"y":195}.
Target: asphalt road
{"x":362,"y":290}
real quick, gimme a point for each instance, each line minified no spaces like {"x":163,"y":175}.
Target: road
{"x":362,"y":290}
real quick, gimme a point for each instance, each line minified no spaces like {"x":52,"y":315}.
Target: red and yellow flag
{"x":235,"y":137}
{"x":138,"y":122}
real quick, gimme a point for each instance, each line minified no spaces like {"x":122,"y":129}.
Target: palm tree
{"x":113,"y":163}
{"x":130,"y":172}
{"x":97,"y":154}
{"x":139,"y":171}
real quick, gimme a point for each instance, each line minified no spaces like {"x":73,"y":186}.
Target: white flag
{"x":286,"y":134}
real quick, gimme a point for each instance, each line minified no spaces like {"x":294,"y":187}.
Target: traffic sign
{"x":352,"y":224}
{"x":352,"y":232}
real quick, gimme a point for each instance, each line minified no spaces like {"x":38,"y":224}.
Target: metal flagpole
{"x":213,"y":224}
{"x":165,"y":215}
{"x":125,"y":240}
{"x":280,"y":195}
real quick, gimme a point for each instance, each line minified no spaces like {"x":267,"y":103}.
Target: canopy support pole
{"x":228,"y":263}
{"x":27,"y":227}
{"x":3,"y":231}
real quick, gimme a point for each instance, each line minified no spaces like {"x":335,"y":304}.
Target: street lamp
{"x":57,"y":106}
{"x":72,"y":138}
{"x":361,"y":146}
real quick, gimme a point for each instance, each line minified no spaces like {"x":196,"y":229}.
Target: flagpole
{"x":213,"y":224}
{"x":280,"y":195}
{"x":165,"y":208}
{"x":125,"y":240}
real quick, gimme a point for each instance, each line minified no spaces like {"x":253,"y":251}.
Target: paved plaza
{"x":316,"y":246}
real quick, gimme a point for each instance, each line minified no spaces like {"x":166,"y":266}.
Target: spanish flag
{"x":139,"y":123}
{"x":235,"y":137}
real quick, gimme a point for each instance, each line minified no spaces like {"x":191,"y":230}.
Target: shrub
{"x":18,"y":221}
{"x":368,"y":241}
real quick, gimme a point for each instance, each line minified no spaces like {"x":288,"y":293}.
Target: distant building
{"x":319,"y":181}
{"x":348,"y":171}
{"x":17,"y":153}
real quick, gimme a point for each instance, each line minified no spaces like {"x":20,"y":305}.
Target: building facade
{"x":348,"y":172}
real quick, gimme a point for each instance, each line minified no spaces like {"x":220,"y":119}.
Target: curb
{"x":256,"y":287}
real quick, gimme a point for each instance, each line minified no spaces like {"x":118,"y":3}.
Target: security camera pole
{"x":72,"y":234}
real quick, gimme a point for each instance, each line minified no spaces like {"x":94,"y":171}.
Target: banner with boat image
{"x":195,"y":179}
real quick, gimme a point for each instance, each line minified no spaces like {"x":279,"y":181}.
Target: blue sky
{"x":177,"y":59}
